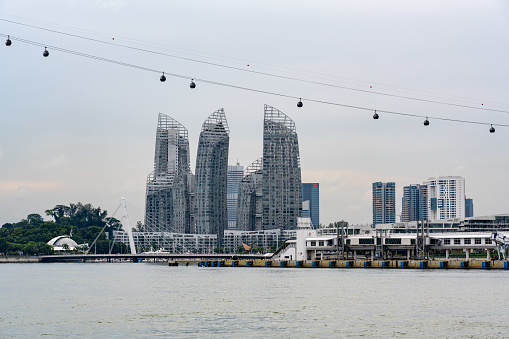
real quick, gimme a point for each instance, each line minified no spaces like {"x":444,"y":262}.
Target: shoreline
{"x":375,"y":264}
{"x":18,"y":259}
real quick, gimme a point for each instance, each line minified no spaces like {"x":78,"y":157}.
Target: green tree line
{"x":30,"y":235}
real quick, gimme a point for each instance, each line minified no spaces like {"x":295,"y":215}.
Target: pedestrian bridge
{"x":146,"y":256}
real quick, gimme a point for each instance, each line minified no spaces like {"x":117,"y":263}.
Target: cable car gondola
{"x":45,"y":53}
{"x":8,"y":41}
{"x":300,"y":104}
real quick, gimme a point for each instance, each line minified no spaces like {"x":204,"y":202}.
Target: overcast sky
{"x":73,"y":129}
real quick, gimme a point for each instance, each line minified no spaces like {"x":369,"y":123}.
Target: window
{"x":447,"y":241}
{"x":366,"y":241}
{"x":467,"y":241}
{"x":457,"y":241}
{"x":313,"y":243}
{"x":487,"y":241}
{"x":320,"y":243}
{"x":477,"y":241}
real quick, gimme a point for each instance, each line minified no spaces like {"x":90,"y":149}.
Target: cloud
{"x":367,"y":197}
{"x":23,"y":191}
{"x":459,"y":168}
{"x":56,"y":163}
{"x":21,"y":188}
{"x":110,"y":4}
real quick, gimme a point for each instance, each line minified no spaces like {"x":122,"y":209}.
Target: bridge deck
{"x":191,"y":256}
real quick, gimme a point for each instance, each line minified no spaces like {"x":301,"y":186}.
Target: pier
{"x":364,"y":264}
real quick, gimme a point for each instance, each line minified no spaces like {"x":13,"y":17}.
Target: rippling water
{"x":154,"y":300}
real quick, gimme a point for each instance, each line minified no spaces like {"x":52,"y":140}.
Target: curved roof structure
{"x":275,"y":116}
{"x":61,"y":240}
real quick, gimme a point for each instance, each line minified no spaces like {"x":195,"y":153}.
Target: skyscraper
{"x":384,"y":203}
{"x":281,"y":182}
{"x":169,"y":187}
{"x":469,"y":208}
{"x":311,"y":193}
{"x":235,"y":174}
{"x":211,"y":176}
{"x":446,"y":197}
{"x":415,"y":203}
{"x":249,"y":204}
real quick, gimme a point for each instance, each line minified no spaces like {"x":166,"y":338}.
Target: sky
{"x":76,"y":129}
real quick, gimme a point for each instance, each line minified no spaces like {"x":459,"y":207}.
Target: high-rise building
{"x":211,"y":176}
{"x":469,"y":208}
{"x":235,"y":174}
{"x":249,"y":204}
{"x":311,"y":193}
{"x":415,"y":203}
{"x":446,"y":197}
{"x":384,"y":203}
{"x":281,"y":182}
{"x":169,"y":187}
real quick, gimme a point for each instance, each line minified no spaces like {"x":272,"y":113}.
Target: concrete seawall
{"x":17,"y":260}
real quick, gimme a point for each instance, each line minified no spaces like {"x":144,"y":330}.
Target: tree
{"x":34,"y":219}
{"x":3,"y":246}
{"x":58,"y":212}
{"x":35,"y":248}
{"x":65,"y":247}
{"x":139,"y":227}
{"x":86,"y":215}
{"x":257,"y":249}
{"x":31,"y":235}
{"x":79,"y":215}
{"x":113,"y":224}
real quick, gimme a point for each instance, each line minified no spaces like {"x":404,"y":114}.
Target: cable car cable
{"x":261,"y":73}
{"x":93,"y":57}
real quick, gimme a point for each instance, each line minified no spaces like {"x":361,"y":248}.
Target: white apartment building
{"x":446,"y":197}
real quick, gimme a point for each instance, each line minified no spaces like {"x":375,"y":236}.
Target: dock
{"x":365,"y":264}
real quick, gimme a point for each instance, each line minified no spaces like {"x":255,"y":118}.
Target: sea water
{"x":154,"y":300}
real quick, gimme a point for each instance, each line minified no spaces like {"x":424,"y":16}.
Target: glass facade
{"x":415,"y":203}
{"x":311,"y":193}
{"x":234,"y":176}
{"x":169,"y":187}
{"x":249,"y":203}
{"x":469,"y":208}
{"x":211,"y":176}
{"x":281,"y":182}
{"x":384,"y":203}
{"x":171,"y":242}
